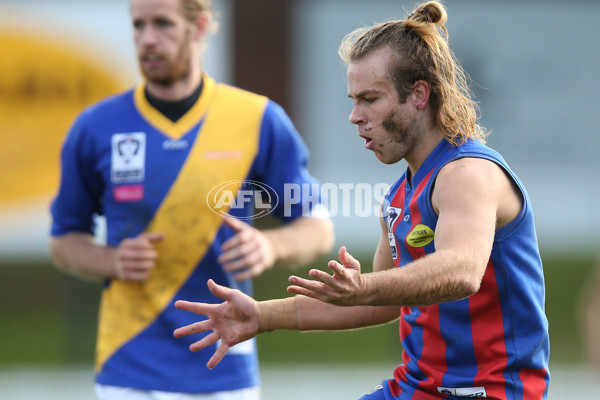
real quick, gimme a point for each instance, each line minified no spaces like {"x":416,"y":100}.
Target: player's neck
{"x":422,"y":150}
{"x":175,"y":91}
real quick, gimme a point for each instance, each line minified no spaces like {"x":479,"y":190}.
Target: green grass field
{"x":48,"y":318}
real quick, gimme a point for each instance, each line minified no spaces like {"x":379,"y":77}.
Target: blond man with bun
{"x":457,"y":262}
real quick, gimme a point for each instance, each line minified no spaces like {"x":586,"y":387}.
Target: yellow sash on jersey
{"x":232,"y":128}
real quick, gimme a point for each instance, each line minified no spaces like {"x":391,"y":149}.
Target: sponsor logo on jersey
{"x":477,"y":392}
{"x":128,"y":160}
{"x":222,"y":154}
{"x":128,"y":193}
{"x":420,"y":236}
{"x":390,"y":215}
{"x":171,"y":144}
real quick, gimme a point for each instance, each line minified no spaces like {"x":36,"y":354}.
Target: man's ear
{"x":202,"y":23}
{"x":420,"y":94}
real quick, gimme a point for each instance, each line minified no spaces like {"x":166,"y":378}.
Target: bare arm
{"x":77,"y":253}
{"x":313,"y":314}
{"x":472,"y":198}
{"x":240,"y":317}
{"x":250,"y":251}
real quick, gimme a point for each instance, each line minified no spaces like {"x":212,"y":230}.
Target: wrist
{"x":274,"y":248}
{"x":276,"y":314}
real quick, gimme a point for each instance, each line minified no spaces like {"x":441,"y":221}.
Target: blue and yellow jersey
{"x":493,"y":344}
{"x":125,"y":160}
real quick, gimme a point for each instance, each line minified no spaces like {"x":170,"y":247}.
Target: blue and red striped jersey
{"x":493,"y":344}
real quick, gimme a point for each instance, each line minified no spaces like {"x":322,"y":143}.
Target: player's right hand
{"x":136,"y":257}
{"x":233,"y":321}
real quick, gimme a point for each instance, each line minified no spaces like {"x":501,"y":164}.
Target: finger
{"x":337,"y":268}
{"x":235,"y":224}
{"x":313,"y":286}
{"x":218,"y":356}
{"x":245,"y":275}
{"x":245,"y":238}
{"x":130,"y":244}
{"x":203,"y":343}
{"x":152,"y":236}
{"x":135,"y":264}
{"x":195,"y":307}
{"x":348,"y":259}
{"x":247,"y":261}
{"x":305,"y":292}
{"x":324,"y":277}
{"x":342,"y":253}
{"x":229,"y":244}
{"x":134,"y":276}
{"x":191,"y":329}
{"x":240,"y":249}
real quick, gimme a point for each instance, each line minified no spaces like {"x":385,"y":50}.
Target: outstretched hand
{"x":248,"y":253}
{"x":343,"y":288}
{"x":233,"y":321}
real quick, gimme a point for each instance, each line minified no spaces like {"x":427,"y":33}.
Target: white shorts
{"x":105,"y":392}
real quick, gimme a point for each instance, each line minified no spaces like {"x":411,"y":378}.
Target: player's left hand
{"x":343,"y":287}
{"x":248,"y":253}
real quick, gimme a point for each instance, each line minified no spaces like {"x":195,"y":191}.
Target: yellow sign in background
{"x":44,"y":84}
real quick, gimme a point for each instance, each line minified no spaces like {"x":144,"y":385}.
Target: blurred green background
{"x":48,"y":318}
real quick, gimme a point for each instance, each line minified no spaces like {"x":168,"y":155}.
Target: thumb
{"x":221,"y":292}
{"x":234,"y":223}
{"x":152,"y":236}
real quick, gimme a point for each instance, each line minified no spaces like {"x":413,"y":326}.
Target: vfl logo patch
{"x":128,"y":159}
{"x":420,"y":236}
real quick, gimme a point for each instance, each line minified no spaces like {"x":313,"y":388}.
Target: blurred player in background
{"x":149,"y":160}
{"x":457,"y":261}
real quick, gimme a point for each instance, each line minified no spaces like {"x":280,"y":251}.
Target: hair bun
{"x":431,"y":12}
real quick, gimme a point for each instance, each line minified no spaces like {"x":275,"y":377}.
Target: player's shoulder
{"x":468,"y":169}
{"x":113,"y":105}
{"x":242,"y":93}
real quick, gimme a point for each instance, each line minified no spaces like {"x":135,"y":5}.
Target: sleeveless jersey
{"x":126,"y":161}
{"x":493,"y":344}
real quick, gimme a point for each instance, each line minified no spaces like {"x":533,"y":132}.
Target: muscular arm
{"x":472,"y":197}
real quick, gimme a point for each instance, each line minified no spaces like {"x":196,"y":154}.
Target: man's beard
{"x":397,"y":128}
{"x":176,"y":70}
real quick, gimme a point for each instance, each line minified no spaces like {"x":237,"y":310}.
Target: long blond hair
{"x":422,"y":53}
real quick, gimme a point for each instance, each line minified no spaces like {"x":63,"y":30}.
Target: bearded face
{"x":163,"y":38}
